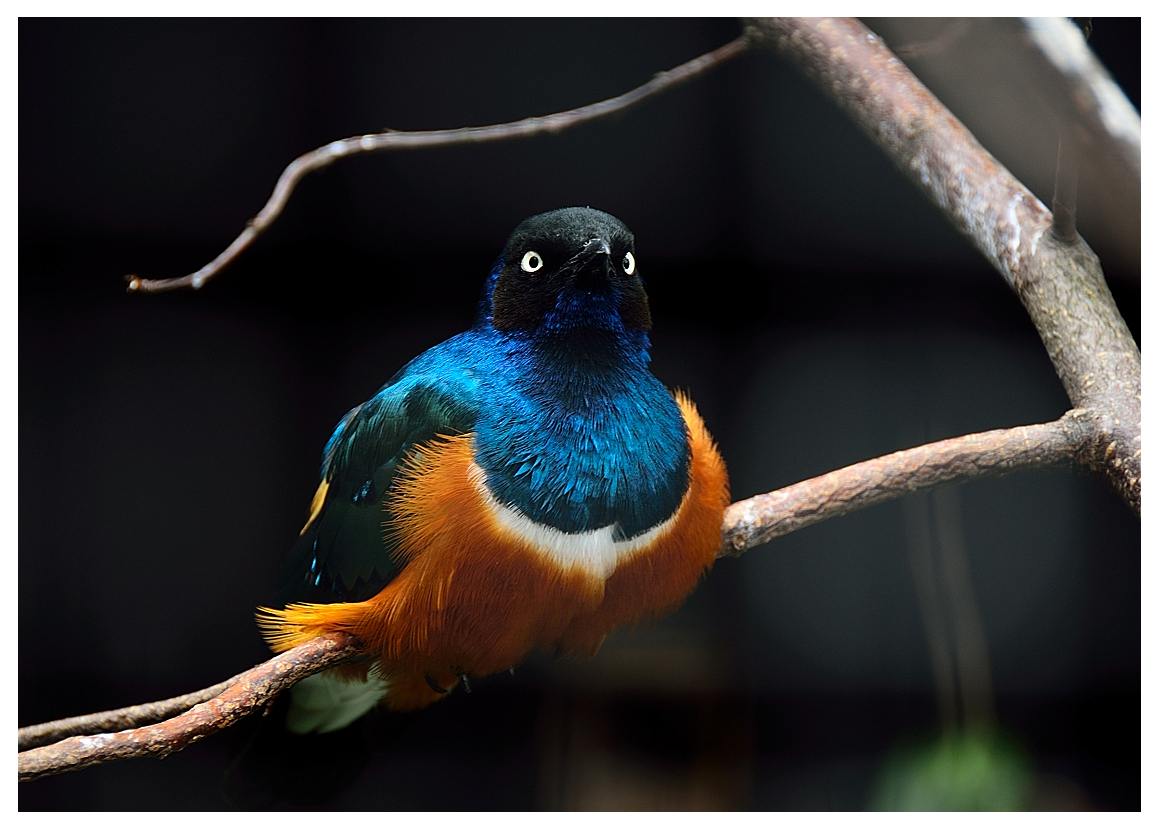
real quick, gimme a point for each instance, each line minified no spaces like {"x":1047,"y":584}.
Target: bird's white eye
{"x":629,"y":264}
{"x":532,"y":262}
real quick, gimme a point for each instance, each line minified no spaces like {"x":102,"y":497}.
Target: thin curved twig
{"x":397,"y":140}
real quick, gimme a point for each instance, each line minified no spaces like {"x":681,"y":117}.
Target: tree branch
{"x":1059,"y":281}
{"x":247,"y":693}
{"x":1105,"y":122}
{"x":759,"y":519}
{"x":397,"y":140}
{"x":29,"y":737}
{"x":747,"y":523}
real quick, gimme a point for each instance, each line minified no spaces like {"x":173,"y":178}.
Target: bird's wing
{"x":344,"y":552}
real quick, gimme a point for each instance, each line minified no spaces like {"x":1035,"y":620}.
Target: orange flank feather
{"x":474,"y":597}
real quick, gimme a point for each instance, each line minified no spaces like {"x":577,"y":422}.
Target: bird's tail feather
{"x":295,"y":624}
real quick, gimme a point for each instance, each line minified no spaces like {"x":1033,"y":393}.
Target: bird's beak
{"x":594,"y":260}
{"x":597,"y":246}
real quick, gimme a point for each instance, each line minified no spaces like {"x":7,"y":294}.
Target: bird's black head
{"x":567,"y":269}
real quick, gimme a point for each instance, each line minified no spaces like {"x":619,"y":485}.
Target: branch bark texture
{"x":1059,"y":281}
{"x":113,"y":720}
{"x":247,"y":693}
{"x":762,"y":518}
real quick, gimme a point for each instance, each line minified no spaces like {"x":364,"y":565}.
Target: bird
{"x":526,"y":484}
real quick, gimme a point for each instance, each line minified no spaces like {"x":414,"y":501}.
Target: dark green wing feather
{"x":342,"y":554}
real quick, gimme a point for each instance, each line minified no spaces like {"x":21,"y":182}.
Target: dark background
{"x":817,"y":308}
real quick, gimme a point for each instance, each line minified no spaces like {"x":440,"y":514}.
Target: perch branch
{"x":247,"y":693}
{"x":759,"y":519}
{"x":398,"y":140}
{"x":1058,"y":280}
{"x":114,"y":720}
{"x":747,"y":523}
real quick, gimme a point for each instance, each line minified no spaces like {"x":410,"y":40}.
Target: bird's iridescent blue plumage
{"x":585,"y":438}
{"x":571,"y":428}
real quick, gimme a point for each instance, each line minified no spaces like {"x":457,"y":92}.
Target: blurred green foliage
{"x":974,"y":769}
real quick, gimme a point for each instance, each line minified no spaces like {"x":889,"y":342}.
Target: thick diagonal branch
{"x":1059,"y":281}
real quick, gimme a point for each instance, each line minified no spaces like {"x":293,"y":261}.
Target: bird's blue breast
{"x":577,"y":434}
